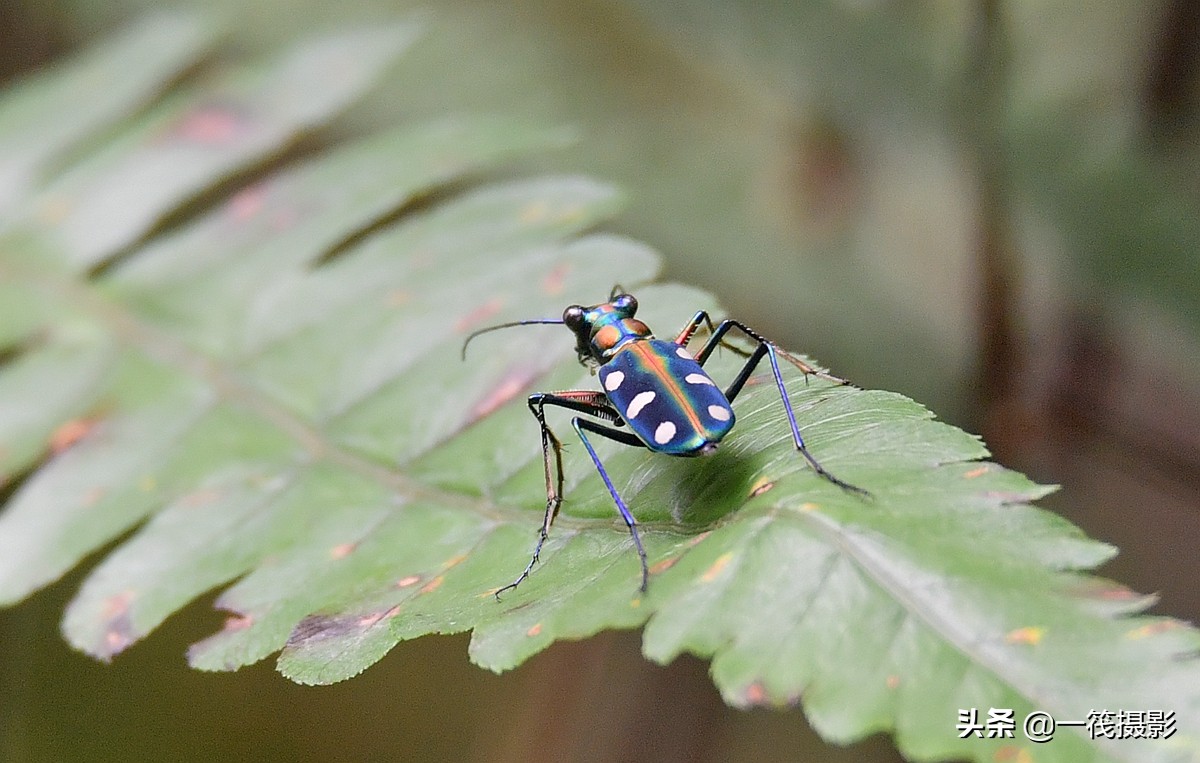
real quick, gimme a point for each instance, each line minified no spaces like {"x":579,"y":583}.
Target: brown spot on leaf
{"x":201,"y":497}
{"x":369,"y":619}
{"x":1152,"y":629}
{"x":717,"y":567}
{"x":119,"y":629}
{"x":93,"y":496}
{"x":247,"y":202}
{"x":117,"y":605}
{"x":342,"y":550}
{"x":397,"y":298}
{"x":69,"y":433}
{"x":893,"y":681}
{"x":1105,"y":590}
{"x":209,"y":125}
{"x":664,"y":565}
{"x":534,"y":631}
{"x":117,"y":640}
{"x":410,"y":580}
{"x":238,"y":622}
{"x":310,"y":628}
{"x":1031,"y":635}
{"x":316,"y":628}
{"x":503,"y":391}
{"x":809,"y":506}
{"x":1118,"y":593}
{"x":1011,"y":754}
{"x":977,"y":472}
{"x":761,"y":486}
{"x":481,"y":313}
{"x":554,"y":281}
{"x":433,"y":585}
{"x":755,"y":694}
{"x":699,"y":539}
{"x":321,"y":628}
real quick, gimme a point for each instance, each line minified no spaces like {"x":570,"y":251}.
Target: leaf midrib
{"x":228,"y":386}
{"x":132,"y":333}
{"x":838,"y":538}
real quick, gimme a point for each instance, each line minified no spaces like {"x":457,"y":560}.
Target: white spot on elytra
{"x":664,"y":433}
{"x":683,"y":353}
{"x":718,"y":412}
{"x":613,"y":380}
{"x":639,"y":401}
{"x":698,"y":379}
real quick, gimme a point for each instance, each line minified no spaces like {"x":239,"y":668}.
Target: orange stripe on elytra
{"x":676,"y":392}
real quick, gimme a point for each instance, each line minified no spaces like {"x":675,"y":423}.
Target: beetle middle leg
{"x":765,"y":348}
{"x":628,"y":439}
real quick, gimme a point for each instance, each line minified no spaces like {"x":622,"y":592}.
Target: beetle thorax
{"x":602,"y":330}
{"x":610,"y":337}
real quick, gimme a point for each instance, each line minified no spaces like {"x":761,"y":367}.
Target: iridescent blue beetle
{"x":654,"y":387}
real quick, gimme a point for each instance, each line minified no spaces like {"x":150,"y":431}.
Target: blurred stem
{"x":20,"y":635}
{"x":1174,"y":65}
{"x":1000,"y":359}
{"x":30,"y":34}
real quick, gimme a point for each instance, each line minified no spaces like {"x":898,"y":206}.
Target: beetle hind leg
{"x":766,"y":348}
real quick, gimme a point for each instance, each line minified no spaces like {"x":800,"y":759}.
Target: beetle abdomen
{"x":666,"y":397}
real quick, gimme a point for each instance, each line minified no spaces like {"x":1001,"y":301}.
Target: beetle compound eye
{"x":573,"y":316}
{"x":625,"y":304}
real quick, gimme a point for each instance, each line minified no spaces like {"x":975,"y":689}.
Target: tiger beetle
{"x":654,"y":387}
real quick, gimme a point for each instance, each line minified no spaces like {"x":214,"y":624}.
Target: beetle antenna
{"x":527,"y":322}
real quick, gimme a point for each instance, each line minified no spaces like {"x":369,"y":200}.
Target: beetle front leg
{"x":554,"y":485}
{"x":594,"y":403}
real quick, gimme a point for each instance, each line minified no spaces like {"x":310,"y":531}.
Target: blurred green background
{"x":989,"y":206}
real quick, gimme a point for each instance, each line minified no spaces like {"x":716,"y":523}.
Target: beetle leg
{"x":718,"y":335}
{"x":583,"y":401}
{"x":623,"y":437}
{"x":701,"y":318}
{"x":771,"y":352}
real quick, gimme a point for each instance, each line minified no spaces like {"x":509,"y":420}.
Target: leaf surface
{"x":268,"y":400}
{"x":42,"y":119}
